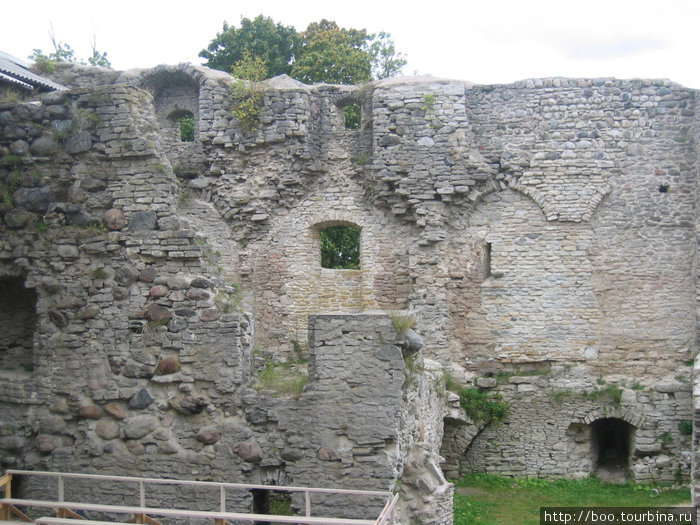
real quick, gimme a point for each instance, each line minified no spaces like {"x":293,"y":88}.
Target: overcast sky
{"x":492,"y":41}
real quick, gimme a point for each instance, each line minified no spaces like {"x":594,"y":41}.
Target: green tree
{"x":64,"y":53}
{"x":328,"y":53}
{"x":386,"y":61}
{"x":322,"y":53}
{"x":262,"y":37}
{"x":340,"y":247}
{"x":98,"y":59}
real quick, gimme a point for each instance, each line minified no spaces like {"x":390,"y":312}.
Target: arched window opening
{"x":186,"y":128}
{"x":17,"y":324}
{"x":611,"y":443}
{"x":353,"y":116}
{"x":340,"y":247}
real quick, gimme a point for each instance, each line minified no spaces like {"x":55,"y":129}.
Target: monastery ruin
{"x":543,"y":235}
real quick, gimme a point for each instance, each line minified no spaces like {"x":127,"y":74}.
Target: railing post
{"x":141,"y":518}
{"x":308,"y":503}
{"x":222,"y":506}
{"x":5,"y":509}
{"x":61,"y":497}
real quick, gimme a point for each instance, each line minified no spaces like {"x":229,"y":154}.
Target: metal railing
{"x":67,"y":512}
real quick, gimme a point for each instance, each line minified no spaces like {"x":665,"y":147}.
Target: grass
{"x":282,"y":379}
{"x":403,"y":323}
{"x":483,"y":499}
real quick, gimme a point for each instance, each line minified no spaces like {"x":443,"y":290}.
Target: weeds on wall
{"x":229,"y":299}
{"x":248,"y":91}
{"x":608,"y":395}
{"x":685,"y":427}
{"x":283,"y":379}
{"x":403,"y":323}
{"x":10,"y":95}
{"x":611,"y":394}
{"x":9,"y":186}
{"x":480,"y":405}
{"x":186,"y":123}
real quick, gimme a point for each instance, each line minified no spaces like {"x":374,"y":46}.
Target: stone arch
{"x":176,"y":92}
{"x":610,"y":435}
{"x":480,"y":191}
{"x":550,"y":209}
{"x":625,"y":414}
{"x":458,"y":434}
{"x":173,"y":88}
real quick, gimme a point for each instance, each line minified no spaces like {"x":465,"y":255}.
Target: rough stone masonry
{"x":165,"y":312}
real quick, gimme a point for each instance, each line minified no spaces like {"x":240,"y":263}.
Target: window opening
{"x":186,"y":123}
{"x":487,"y":260}
{"x":340,"y":247}
{"x":353,"y":116}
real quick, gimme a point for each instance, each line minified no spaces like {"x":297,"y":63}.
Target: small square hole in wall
{"x":663,"y":188}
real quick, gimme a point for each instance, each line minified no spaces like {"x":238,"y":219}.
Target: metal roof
{"x":15,"y":71}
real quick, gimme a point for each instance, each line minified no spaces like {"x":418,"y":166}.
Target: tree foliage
{"x":324,"y":52}
{"x":64,"y":53}
{"x":340,"y":247}
{"x":186,"y":123}
{"x":328,"y":53}
{"x":386,"y":61}
{"x":261,"y":37}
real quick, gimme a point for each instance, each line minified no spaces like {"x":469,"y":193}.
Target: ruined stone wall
{"x":551,"y":422}
{"x":544,"y":227}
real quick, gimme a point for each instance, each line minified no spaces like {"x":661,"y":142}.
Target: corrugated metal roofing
{"x":15,"y":70}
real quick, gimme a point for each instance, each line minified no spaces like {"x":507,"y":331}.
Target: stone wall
{"x":542,"y":233}
{"x":552,"y":422}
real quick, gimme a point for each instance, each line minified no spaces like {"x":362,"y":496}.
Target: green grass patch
{"x":483,"y":406}
{"x":403,"y":323}
{"x":483,"y":499}
{"x":283,"y":379}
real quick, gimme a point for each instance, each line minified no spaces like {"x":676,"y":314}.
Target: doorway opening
{"x":611,"y":444}
{"x":17,"y":324}
{"x":271,"y":502}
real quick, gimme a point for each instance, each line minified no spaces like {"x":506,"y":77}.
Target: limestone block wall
{"x":547,"y":225}
{"x":552,"y":422}
{"x":291,"y":258}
